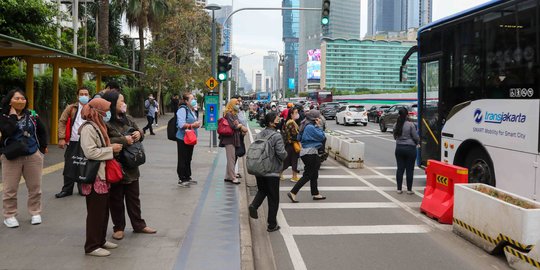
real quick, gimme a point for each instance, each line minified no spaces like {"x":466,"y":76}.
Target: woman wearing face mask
{"x":268,"y":185}
{"x":68,"y":134}
{"x":186,"y":120}
{"x":291,"y":137}
{"x":311,"y":137}
{"x":24,"y":141}
{"x":231,"y":142}
{"x":97,"y":145}
{"x":123,"y":130}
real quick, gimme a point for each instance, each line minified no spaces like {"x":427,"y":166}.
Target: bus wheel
{"x":382,"y":126}
{"x":480,"y":167}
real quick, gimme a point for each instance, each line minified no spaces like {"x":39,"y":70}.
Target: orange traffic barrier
{"x":438,"y":199}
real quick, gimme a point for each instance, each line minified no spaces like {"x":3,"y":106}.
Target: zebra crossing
{"x":348,"y":132}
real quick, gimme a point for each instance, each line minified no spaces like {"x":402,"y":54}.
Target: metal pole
{"x":75,"y":9}
{"x":228,"y":90}
{"x":277,"y":8}
{"x":221,"y":98}
{"x":214,"y":70}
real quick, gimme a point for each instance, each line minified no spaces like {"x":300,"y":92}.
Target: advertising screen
{"x":314,"y":55}
{"x":291,"y":83}
{"x":314,"y":70}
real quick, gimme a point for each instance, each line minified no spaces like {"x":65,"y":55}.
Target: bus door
{"x":429,"y":122}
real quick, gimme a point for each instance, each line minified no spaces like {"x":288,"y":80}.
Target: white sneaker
{"x":109,"y":245}
{"x":11,"y":222}
{"x":36,"y":220}
{"x":99,"y":253}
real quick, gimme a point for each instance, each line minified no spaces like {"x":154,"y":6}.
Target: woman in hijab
{"x":311,"y":136}
{"x":231,"y":142}
{"x":96,"y":145}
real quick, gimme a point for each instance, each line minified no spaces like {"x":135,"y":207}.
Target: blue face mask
{"x":193,"y":103}
{"x":84,"y":99}
{"x":107,"y":117}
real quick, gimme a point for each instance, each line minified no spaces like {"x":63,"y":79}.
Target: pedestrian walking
{"x":24,"y":143}
{"x":407,"y":139}
{"x":68,"y":138}
{"x":96,"y":145}
{"x":232,"y":142}
{"x":268,"y":184}
{"x":187,"y":120}
{"x":292,"y":145}
{"x":150,"y":106}
{"x":123,"y":130}
{"x":311,"y":137}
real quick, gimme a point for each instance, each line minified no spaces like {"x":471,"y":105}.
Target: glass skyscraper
{"x":397,"y":15}
{"x":344,"y":19}
{"x":291,"y":31}
{"x":226,"y":33}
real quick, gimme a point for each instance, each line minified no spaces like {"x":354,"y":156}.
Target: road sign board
{"x":212,"y":83}
{"x":211,"y":109}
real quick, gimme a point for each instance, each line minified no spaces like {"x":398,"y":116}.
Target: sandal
{"x":319,"y":197}
{"x":118,"y":235}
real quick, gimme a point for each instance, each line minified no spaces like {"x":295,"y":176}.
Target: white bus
{"x":478,"y":93}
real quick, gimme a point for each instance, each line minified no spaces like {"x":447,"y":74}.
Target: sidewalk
{"x":183,"y":217}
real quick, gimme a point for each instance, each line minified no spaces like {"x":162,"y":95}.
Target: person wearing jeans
{"x":311,"y":137}
{"x":186,"y":119}
{"x":151,"y":105}
{"x":406,"y":141}
{"x":268,"y":185}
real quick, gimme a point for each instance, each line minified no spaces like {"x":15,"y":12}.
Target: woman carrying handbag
{"x":187,"y":127}
{"x":123,"y":130}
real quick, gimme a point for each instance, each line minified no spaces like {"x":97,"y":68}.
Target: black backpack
{"x":171,"y":125}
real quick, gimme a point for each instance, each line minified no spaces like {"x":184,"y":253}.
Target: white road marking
{"x":382,"y":138}
{"x":390,"y":176}
{"x":288,"y":176}
{"x":391,"y":168}
{"x":329,"y":167}
{"x":343,"y":132}
{"x":375,"y":229}
{"x":344,"y":188}
{"x":290,"y":243}
{"x":337,"y":205}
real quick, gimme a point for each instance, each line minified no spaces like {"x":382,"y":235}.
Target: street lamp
{"x":213,"y":8}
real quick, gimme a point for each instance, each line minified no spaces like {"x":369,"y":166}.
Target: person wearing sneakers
{"x":291,"y":137}
{"x":407,"y":139}
{"x":24,"y":142}
{"x":122,"y":129}
{"x":186,"y":119}
{"x":311,"y":137}
{"x":268,"y":185}
{"x":96,"y":145}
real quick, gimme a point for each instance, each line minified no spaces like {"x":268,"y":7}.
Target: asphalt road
{"x":364,"y":223}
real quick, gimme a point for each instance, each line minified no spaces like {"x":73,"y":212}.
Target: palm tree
{"x":143,"y":15}
{"x":103,"y":27}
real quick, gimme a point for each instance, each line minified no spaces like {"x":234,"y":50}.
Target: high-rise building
{"x":268,"y":83}
{"x":426,"y":12}
{"x":226,"y":30}
{"x":258,"y":81}
{"x":234,"y":73}
{"x":270,"y":67}
{"x":310,"y":38}
{"x":243,"y":81}
{"x":344,"y":19}
{"x":397,"y":15}
{"x":201,"y":2}
{"x":291,"y":29}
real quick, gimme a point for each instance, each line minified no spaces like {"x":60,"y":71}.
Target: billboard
{"x":314,"y":55}
{"x":291,"y":83}
{"x":314,"y":70}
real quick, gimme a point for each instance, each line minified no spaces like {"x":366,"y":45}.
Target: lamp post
{"x":213,"y":8}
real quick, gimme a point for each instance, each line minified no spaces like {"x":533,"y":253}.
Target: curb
{"x":246,"y":242}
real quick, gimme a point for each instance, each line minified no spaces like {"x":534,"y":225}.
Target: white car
{"x":352,"y":114}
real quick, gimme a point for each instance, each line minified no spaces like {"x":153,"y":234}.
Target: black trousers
{"x":185,"y":155}
{"x":130,"y":193}
{"x":312,"y":164}
{"x":292,"y":158}
{"x":97,"y":219}
{"x":150,"y":120}
{"x":69,"y":183}
{"x":156,"y":117}
{"x":268,"y":187}
{"x":405,"y":158}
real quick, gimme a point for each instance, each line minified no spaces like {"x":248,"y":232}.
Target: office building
{"x":201,"y":3}
{"x":291,"y":29}
{"x":397,"y":15}
{"x":344,"y":19}
{"x":258,"y":81}
{"x":352,"y":65}
{"x":226,"y":30}
{"x":270,"y":67}
{"x":243,"y":82}
{"x":234,"y":73}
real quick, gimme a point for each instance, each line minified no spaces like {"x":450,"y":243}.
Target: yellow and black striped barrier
{"x":523,"y":257}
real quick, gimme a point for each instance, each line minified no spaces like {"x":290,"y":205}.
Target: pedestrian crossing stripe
{"x":522,"y":257}
{"x":500,"y":239}
{"x":442,"y":180}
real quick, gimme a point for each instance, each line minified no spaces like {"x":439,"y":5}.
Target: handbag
{"x":190,"y":138}
{"x":81,"y":169}
{"x":224,"y":129}
{"x":133,"y":155}
{"x":240,"y":151}
{"x":297,"y":146}
{"x":113,"y":171}
{"x":14,"y":150}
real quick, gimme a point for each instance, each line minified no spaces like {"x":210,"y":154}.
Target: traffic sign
{"x":211,"y":110}
{"x":212,"y":83}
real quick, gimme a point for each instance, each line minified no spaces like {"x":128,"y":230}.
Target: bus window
{"x":429,"y":131}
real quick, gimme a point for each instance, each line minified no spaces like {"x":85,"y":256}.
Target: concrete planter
{"x":496,"y":225}
{"x":351,"y":153}
{"x":335,"y":143}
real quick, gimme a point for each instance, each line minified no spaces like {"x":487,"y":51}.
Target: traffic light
{"x":325,"y":16}
{"x":223,"y":67}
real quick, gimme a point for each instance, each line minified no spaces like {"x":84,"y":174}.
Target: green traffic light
{"x":325,"y":20}
{"x":222,"y":77}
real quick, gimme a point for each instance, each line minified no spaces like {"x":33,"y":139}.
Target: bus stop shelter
{"x":34,"y":54}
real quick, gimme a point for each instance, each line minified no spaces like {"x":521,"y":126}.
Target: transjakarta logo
{"x":498,"y":118}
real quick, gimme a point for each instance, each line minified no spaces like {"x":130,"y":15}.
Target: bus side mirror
{"x":403,"y":73}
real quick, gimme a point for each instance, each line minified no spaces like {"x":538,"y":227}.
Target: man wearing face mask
{"x":151,"y":106}
{"x":68,"y":135}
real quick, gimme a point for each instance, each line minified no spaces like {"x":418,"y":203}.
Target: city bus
{"x":320,"y":96}
{"x":478,"y":94}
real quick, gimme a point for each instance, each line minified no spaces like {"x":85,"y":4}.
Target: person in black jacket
{"x":24,"y":143}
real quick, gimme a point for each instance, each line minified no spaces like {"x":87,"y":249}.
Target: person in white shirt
{"x":68,"y":135}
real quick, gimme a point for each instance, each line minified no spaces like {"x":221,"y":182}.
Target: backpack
{"x":224,"y":129}
{"x":260,"y":156}
{"x":171,"y":125}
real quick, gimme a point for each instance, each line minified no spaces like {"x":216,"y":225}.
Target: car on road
{"x":390,"y":116}
{"x":352,"y":114}
{"x":375,"y":112}
{"x":329,"y":109}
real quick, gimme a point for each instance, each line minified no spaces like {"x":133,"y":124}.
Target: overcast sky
{"x":261,"y":31}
